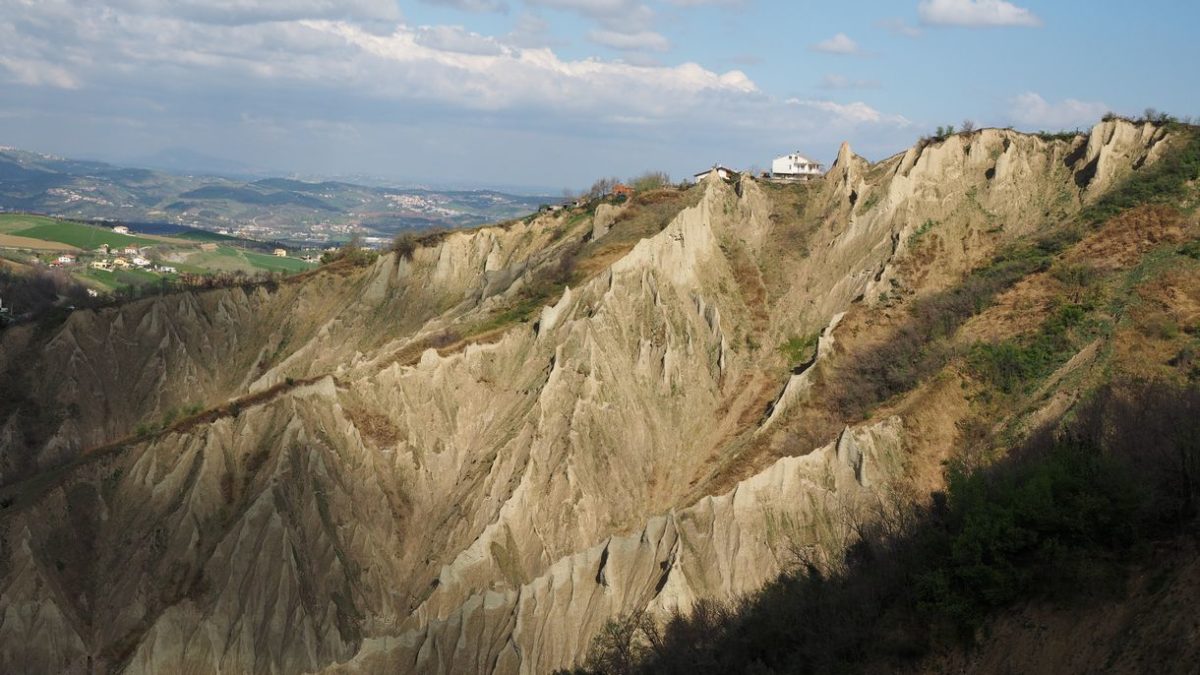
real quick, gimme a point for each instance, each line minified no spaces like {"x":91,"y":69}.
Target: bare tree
{"x":602,"y":187}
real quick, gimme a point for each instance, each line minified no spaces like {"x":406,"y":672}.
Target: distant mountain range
{"x":268,"y":208}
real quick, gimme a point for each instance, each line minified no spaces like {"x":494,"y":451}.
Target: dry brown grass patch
{"x":1124,"y":240}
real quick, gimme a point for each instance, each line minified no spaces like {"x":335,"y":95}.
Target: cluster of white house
{"x":117,"y":259}
{"x":788,"y":168}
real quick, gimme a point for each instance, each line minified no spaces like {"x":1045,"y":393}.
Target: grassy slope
{"x":86,"y":237}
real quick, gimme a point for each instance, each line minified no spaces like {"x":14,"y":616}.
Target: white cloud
{"x":398,"y":66}
{"x":1031,"y":110}
{"x":975,"y":13}
{"x":457,"y":39}
{"x":641,"y":41}
{"x":838,"y":44}
{"x":850,"y":113}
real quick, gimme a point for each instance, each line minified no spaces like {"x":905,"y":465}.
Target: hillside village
{"x":59,"y":262}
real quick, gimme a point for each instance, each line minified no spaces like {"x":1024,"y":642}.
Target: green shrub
{"x":352,"y":252}
{"x":1012,"y":366}
{"x":1039,"y":529}
{"x":651,"y":180}
{"x":921,"y":231}
{"x":798,"y":350}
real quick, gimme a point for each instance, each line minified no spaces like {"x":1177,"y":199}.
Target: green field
{"x":204,"y":235}
{"x":181,"y":252}
{"x":227,"y":258}
{"x":19,"y":221}
{"x":86,"y":237}
{"x":276,"y":264}
{"x":117,"y":278}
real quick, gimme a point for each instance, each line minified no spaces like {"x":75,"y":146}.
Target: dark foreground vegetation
{"x":47,"y":296}
{"x":33,"y":293}
{"x":1060,"y":520}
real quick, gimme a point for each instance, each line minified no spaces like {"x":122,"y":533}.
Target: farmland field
{"x":108,"y":281}
{"x":276,"y":264}
{"x":230,"y":259}
{"x":86,"y":237}
{"x":41,"y":239}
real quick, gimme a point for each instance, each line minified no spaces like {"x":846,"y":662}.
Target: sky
{"x":551,"y":94}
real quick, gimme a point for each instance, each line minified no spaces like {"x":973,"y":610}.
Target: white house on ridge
{"x":795,"y":167}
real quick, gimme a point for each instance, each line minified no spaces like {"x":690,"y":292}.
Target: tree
{"x":651,"y":180}
{"x":602,"y":187}
{"x":352,"y":251}
{"x":968,"y":126}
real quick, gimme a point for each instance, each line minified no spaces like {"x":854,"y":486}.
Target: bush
{"x":1012,"y":366}
{"x":404,"y":245}
{"x":799,"y":350}
{"x":1038,"y":529}
{"x":651,"y":180}
{"x":351,"y":252}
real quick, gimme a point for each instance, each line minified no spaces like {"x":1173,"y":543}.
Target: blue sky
{"x":554,"y":93}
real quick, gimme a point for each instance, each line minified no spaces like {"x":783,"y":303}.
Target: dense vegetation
{"x":1060,"y":520}
{"x":48,"y":296}
{"x":33,"y":293}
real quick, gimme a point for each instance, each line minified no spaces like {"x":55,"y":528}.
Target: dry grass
{"x":1125,"y":239}
{"x":14,"y":241}
{"x":645,"y":216}
{"x":375,"y":427}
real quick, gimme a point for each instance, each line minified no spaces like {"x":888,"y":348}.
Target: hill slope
{"x":267,"y":209}
{"x":471,"y":454}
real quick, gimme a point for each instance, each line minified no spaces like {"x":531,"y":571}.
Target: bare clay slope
{"x":442,"y":487}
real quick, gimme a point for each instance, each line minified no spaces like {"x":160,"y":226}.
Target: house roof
{"x":715,"y":167}
{"x":796,"y":156}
